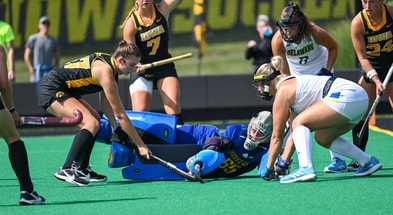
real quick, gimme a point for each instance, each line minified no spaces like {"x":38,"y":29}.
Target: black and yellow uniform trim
{"x":379,"y":41}
{"x":72,"y":79}
{"x":153,"y":39}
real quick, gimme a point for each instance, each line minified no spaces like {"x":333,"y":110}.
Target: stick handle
{"x":374,"y":106}
{"x":38,"y":120}
{"x":166,"y":61}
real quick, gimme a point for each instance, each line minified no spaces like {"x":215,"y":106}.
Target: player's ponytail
{"x":127,"y":50}
{"x":276,"y":62}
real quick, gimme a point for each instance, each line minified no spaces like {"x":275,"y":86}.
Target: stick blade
{"x":176,"y":170}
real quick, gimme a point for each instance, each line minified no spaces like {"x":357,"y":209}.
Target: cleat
{"x":32,"y":198}
{"x":94,"y":176}
{"x":369,"y":168}
{"x":336,"y":166}
{"x":73,"y":175}
{"x":302,"y":174}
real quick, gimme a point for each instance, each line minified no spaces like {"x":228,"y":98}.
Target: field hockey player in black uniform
{"x":61,"y":90}
{"x":146,"y":25}
{"x":17,"y":154}
{"x":371,"y":33}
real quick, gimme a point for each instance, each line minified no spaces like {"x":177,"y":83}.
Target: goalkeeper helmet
{"x":294,"y":19}
{"x":259,"y":130}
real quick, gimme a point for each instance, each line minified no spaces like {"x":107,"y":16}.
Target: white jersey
{"x":308,"y":91}
{"x":344,"y":96}
{"x":306,"y":58}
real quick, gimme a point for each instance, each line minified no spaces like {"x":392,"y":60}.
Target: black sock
{"x":79,"y":147}
{"x":87,"y":152}
{"x":179,"y":119}
{"x":363,"y":142}
{"x":20,"y":164}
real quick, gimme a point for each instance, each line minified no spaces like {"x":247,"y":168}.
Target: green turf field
{"x":248,"y":194}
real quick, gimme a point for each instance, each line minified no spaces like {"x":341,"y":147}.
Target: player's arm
{"x":129,"y":30}
{"x":111,"y":100}
{"x":359,"y":45}
{"x":280,"y":117}
{"x":167,"y":6}
{"x":279,"y":49}
{"x":6,"y":89}
{"x":323,"y":38}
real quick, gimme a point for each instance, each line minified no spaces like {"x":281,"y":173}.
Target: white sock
{"x":303,"y":142}
{"x":336,"y":155}
{"x":346,"y":148}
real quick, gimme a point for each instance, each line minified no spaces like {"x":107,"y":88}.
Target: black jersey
{"x":379,"y":41}
{"x":153,"y":39}
{"x":77,"y":76}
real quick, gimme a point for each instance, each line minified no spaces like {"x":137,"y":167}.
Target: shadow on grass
{"x":88,"y":201}
{"x":349,"y":176}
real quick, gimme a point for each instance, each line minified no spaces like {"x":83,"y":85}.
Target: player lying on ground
{"x":236,"y":151}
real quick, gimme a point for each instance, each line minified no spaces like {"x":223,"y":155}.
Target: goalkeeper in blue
{"x":237,"y":150}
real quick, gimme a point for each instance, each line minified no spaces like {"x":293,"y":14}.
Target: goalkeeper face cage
{"x":259,"y":130}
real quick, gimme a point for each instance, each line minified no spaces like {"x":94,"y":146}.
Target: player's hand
{"x":16,"y":117}
{"x":144,"y":151}
{"x":267,"y":174}
{"x":324,"y":72}
{"x":379,"y":86}
{"x":251,"y":43}
{"x":139,"y":68}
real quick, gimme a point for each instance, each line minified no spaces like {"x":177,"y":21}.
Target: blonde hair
{"x":269,"y":68}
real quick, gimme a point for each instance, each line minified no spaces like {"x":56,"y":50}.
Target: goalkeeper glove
{"x":267,"y":174}
{"x":123,"y":138}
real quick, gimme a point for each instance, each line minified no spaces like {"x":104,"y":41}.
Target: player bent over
{"x":329,"y":106}
{"x":61,"y":90}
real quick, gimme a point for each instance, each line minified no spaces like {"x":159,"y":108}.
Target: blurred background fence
{"x":84,"y":26}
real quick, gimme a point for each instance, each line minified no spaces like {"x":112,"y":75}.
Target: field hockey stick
{"x":38,"y":120}
{"x":374,"y":106}
{"x":130,"y":144}
{"x":176,"y":170}
{"x":166,"y":61}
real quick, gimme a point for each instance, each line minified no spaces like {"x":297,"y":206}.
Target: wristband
{"x":371,"y":74}
{"x":11,"y":109}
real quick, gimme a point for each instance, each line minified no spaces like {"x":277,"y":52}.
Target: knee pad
{"x":210,"y":160}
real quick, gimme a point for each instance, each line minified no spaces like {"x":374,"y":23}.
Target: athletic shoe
{"x":369,"y":168}
{"x":336,"y":166}
{"x":353,"y":166}
{"x":63,"y":174}
{"x":94,"y":176}
{"x":73,"y":175}
{"x":302,"y":174}
{"x":32,"y":198}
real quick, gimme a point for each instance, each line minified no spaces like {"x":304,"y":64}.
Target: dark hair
{"x":292,"y":15}
{"x":127,"y":50}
